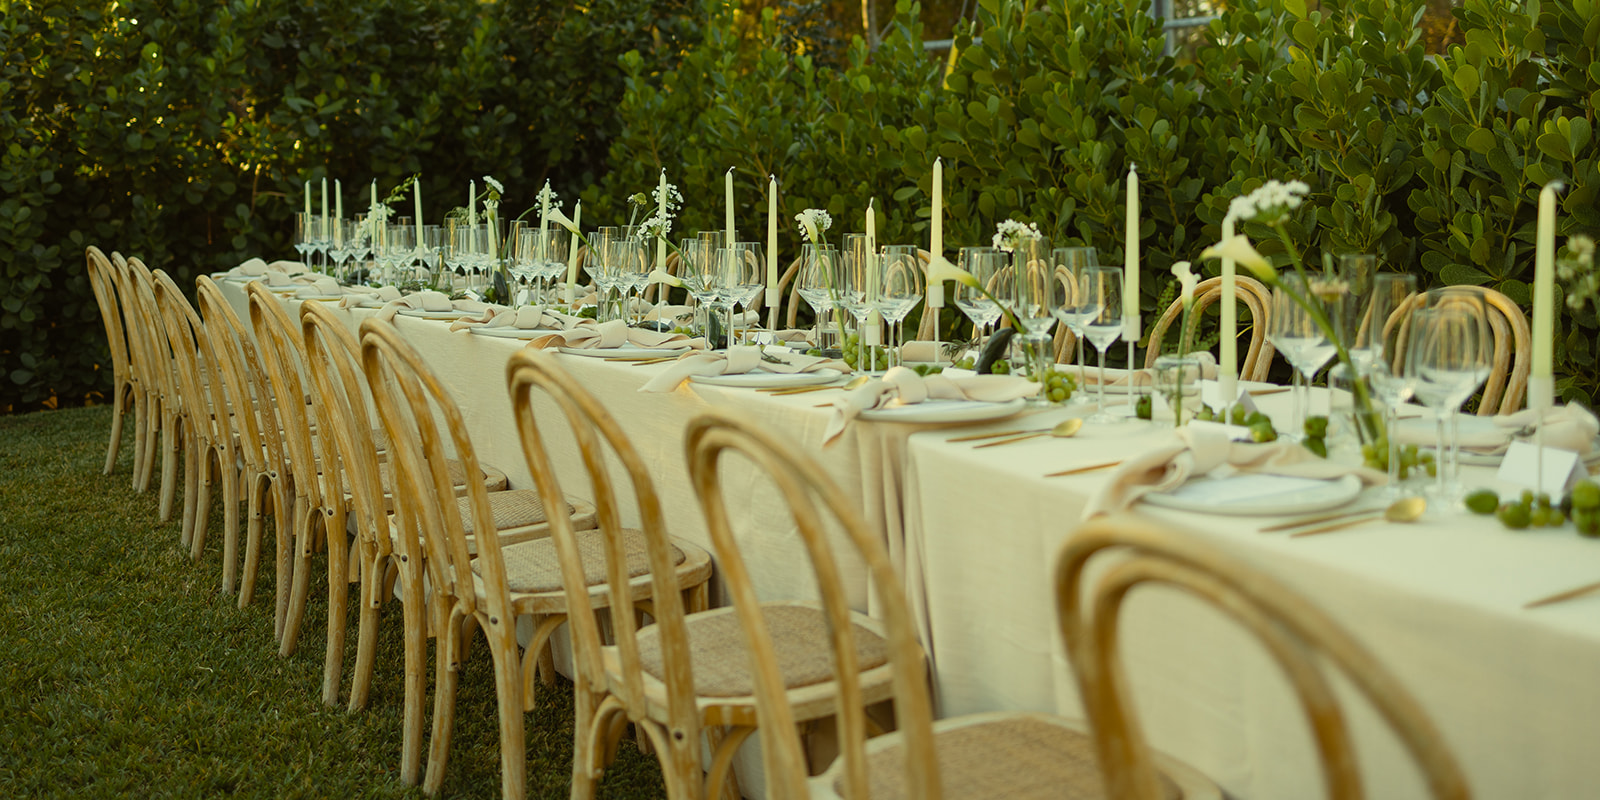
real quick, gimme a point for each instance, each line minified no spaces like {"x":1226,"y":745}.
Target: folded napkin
{"x":1197,"y":451}
{"x":357,"y":297}
{"x":526,"y":318}
{"x":614,"y":334}
{"x":901,"y":386}
{"x":737,"y":361}
{"x":932,"y":352}
{"x":321,"y":287}
{"x":1143,"y":377}
{"x":428,"y":301}
{"x":287,"y":267}
{"x":1570,"y":427}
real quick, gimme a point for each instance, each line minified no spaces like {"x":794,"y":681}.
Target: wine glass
{"x":1390,"y":380}
{"x":901,"y":287}
{"x":552,"y":261}
{"x":702,"y":277}
{"x":1356,"y":273}
{"x":1100,"y":289}
{"x":304,"y":233}
{"x":402,"y":245}
{"x":858,"y":294}
{"x":1031,"y":276}
{"x":1295,"y":333}
{"x":816,"y":282}
{"x":1449,"y":351}
{"x":982,"y":263}
{"x":1069,"y":264}
{"x":430,"y":250}
{"x":745,"y":264}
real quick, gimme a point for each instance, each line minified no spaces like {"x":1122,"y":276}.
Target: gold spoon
{"x":1406,"y":509}
{"x":853,"y":383}
{"x":1064,"y":429}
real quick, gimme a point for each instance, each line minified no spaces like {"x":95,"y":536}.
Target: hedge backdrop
{"x":183,"y":137}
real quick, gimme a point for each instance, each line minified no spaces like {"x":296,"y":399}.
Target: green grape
{"x":1141,"y":408}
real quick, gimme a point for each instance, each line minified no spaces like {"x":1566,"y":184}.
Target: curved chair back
{"x":159,"y":369}
{"x":1507,"y":385}
{"x":282,"y":354}
{"x":102,"y":280}
{"x":601,"y":441}
{"x":817,"y":504}
{"x":234,"y":357}
{"x":198,"y":386}
{"x":1255,"y":296}
{"x":1299,"y":637}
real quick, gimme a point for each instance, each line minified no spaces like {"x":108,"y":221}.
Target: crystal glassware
{"x":1449,"y":352}
{"x":1100,"y":288}
{"x":816,"y":282}
{"x":902,"y":285}
{"x":1069,"y":264}
{"x":1296,"y":334}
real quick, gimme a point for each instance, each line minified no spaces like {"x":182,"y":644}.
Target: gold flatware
{"x":1304,"y":521}
{"x":853,"y":383}
{"x":1566,"y":595}
{"x":1064,"y":429}
{"x":1407,"y":509}
{"x":1273,"y":390}
{"x":649,"y":361}
{"x":995,"y":435}
{"x":1076,"y":470}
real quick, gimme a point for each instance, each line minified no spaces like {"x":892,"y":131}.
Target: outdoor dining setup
{"x":775,"y":527}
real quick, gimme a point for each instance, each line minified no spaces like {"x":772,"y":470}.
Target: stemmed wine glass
{"x":1390,"y":380}
{"x":818,"y":278}
{"x":339,"y":244}
{"x":858,"y":294}
{"x":1031,"y":278}
{"x":982,"y":263}
{"x":701,"y":277}
{"x":552,"y":261}
{"x":429,"y":250}
{"x":744,"y":264}
{"x":1069,"y":264}
{"x":1449,"y":353}
{"x":1295,"y":333}
{"x":597,"y":265}
{"x":1100,"y":289}
{"x":304,"y":233}
{"x":901,"y":288}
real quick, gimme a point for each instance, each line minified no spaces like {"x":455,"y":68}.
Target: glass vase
{"x":1177,"y":383}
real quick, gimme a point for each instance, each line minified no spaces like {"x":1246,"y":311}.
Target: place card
{"x":1211,"y":395}
{"x":1237,"y":433}
{"x":1562,"y":468}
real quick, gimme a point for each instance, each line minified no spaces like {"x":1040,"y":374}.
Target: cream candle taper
{"x":1130,"y":283}
{"x":936,"y":245}
{"x":416,"y":197}
{"x":338,"y":200}
{"x":728,"y":238}
{"x":324,"y":204}
{"x":372,"y":205}
{"x":308,"y":202}
{"x":1541,"y":389}
{"x":472,"y":203}
{"x":572,"y":254}
{"x":773,"y":298}
{"x":1228,"y":348}
{"x":661,"y":209}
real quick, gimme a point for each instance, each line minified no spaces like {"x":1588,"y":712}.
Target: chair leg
{"x":302,"y":580}
{"x":338,"y":609}
{"x":170,"y":442}
{"x":257,"y":497}
{"x":446,"y":677}
{"x":725,"y":743}
{"x":147,"y":455}
{"x":508,"y":690}
{"x":202,"y":501}
{"x":414,"y":614}
{"x":284,"y":569}
{"x":370,"y":592}
{"x":232,"y":482}
{"x":590,"y":719}
{"x":118,"y":411}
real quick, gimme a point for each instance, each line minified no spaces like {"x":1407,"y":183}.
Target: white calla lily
{"x":663,"y":276}
{"x":560,"y":218}
{"x":1238,"y":249}
{"x":940,"y":269}
{"x":1186,"y":282}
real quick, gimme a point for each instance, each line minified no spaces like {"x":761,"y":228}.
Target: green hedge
{"x":180,"y":131}
{"x":1434,"y":163}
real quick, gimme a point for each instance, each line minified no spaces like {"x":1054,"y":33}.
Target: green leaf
{"x":1467,"y":80}
{"x":1480,"y":140}
{"x":1461,"y":274}
{"x":1555,"y":145}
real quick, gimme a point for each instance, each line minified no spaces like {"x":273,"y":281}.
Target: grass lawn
{"x":125,"y":673}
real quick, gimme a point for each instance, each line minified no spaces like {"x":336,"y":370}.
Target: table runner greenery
{"x":1431,"y":161}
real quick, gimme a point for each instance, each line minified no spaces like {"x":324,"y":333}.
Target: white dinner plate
{"x":323,"y":297}
{"x":768,"y":380}
{"x":420,"y":314}
{"x":507,"y":332}
{"x":1248,"y":494}
{"x":946,"y":411}
{"x":622,"y":352}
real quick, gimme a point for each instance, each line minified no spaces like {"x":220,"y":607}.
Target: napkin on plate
{"x":357,"y":297}
{"x":737,"y":361}
{"x":428,"y":301}
{"x":1199,"y":450}
{"x":528,"y":318}
{"x":321,"y":287}
{"x":1143,"y":377}
{"x":614,"y":334}
{"x":1569,"y":427}
{"x":901,"y":386}
{"x":924,"y":351}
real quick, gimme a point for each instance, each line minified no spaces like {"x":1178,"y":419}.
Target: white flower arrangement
{"x":813,"y":223}
{"x":1578,"y":269}
{"x":657,"y":226}
{"x":668,"y":195}
{"x":1011,"y":234}
{"x":1270,"y":203}
{"x":491,"y":194}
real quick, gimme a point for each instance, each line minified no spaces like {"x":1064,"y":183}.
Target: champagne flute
{"x":1100,"y":288}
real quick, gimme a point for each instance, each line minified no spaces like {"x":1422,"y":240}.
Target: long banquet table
{"x":975,"y":532}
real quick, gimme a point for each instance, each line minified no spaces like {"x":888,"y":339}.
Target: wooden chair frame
{"x":609,"y":682}
{"x":812,"y":497}
{"x":1255,"y":296}
{"x":1506,"y":388}
{"x":158,"y":376}
{"x":125,"y":392}
{"x":1296,"y":634}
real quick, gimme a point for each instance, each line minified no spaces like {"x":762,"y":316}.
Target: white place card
{"x":1211,"y":395}
{"x":1562,"y":468}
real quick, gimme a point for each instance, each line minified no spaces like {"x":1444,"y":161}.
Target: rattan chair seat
{"x":532,"y":567}
{"x":720,"y":662}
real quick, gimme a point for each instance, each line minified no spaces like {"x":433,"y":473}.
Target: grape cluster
{"x":1376,"y":456}
{"x":878,"y":355}
{"x":1058,"y":385}
{"x":999,"y":367}
{"x":1260,"y":424}
{"x":927,"y":369}
{"x":1529,"y":510}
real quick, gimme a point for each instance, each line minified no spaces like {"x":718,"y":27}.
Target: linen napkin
{"x":358,"y":297}
{"x":901,"y":386}
{"x":321,"y":287}
{"x":1197,"y":451}
{"x":1142,"y":377}
{"x":526,"y":318}
{"x":738,"y":360}
{"x":1569,"y":427}
{"x":614,"y":334}
{"x":428,"y":301}
{"x":925,"y":351}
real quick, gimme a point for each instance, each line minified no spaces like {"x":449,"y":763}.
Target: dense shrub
{"x":181,"y":131}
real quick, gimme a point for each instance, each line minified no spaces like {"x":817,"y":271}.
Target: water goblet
{"x":902,"y":286}
{"x":1100,"y":289}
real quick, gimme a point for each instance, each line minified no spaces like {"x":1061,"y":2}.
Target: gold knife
{"x":1023,"y":438}
{"x":1303,"y":521}
{"x":1076,"y":470}
{"x":1338,"y":525}
{"x":1566,"y":595}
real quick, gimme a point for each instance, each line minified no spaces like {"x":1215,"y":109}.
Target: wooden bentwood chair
{"x":1300,"y":637}
{"x":1507,"y":385}
{"x":125,"y":392}
{"x":1014,"y":755}
{"x":1252,"y":294}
